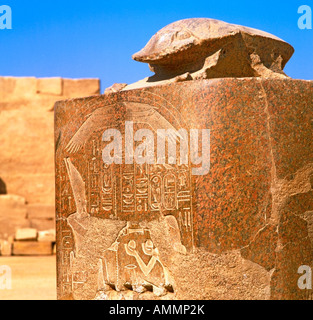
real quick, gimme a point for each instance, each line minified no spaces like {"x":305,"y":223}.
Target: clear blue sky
{"x":96,"y":38}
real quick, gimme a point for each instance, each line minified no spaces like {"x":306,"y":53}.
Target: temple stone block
{"x":26,"y":234}
{"x":32,"y":248}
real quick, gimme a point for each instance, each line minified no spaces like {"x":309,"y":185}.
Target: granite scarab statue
{"x":242,"y":230}
{"x":203,"y":48}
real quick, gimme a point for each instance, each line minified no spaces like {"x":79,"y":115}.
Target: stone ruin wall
{"x":27,"y":156}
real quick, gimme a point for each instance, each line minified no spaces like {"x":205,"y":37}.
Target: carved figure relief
{"x":133,"y":193}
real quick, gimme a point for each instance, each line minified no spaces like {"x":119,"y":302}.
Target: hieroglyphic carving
{"x":108,"y":191}
{"x":66,"y":196}
{"x":142,"y":189}
{"x":170,"y":192}
{"x":79,"y":278}
{"x":128,"y":189}
{"x":101,"y":181}
{"x":66,"y":253}
{"x":133,"y":193}
{"x":184,"y":206}
{"x":164,"y":189}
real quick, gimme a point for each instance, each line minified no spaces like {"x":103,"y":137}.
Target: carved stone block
{"x":158,"y":231}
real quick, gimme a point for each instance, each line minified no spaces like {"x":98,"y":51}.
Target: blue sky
{"x":96,"y":39}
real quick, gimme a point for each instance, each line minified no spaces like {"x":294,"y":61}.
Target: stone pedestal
{"x":150,"y":231}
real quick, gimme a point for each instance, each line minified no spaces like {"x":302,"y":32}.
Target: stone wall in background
{"x":27,"y":148}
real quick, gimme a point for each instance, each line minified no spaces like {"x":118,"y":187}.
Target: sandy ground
{"x":33,"y":278}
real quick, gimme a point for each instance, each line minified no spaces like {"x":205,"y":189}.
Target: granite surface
{"x":158,"y":231}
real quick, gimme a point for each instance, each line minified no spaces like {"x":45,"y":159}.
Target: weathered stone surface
{"x":81,"y":87}
{"x":17,"y":88}
{"x":12,"y":214}
{"x":27,"y":148}
{"x":10,"y":201}
{"x":27,"y":168}
{"x":156,"y":231}
{"x":31,"y":248}
{"x":40,"y":211}
{"x":41,"y":217}
{"x":42,"y":224}
{"x":52,"y":86}
{"x":26,"y":234}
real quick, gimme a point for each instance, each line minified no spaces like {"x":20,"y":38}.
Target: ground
{"x":33,"y":278}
